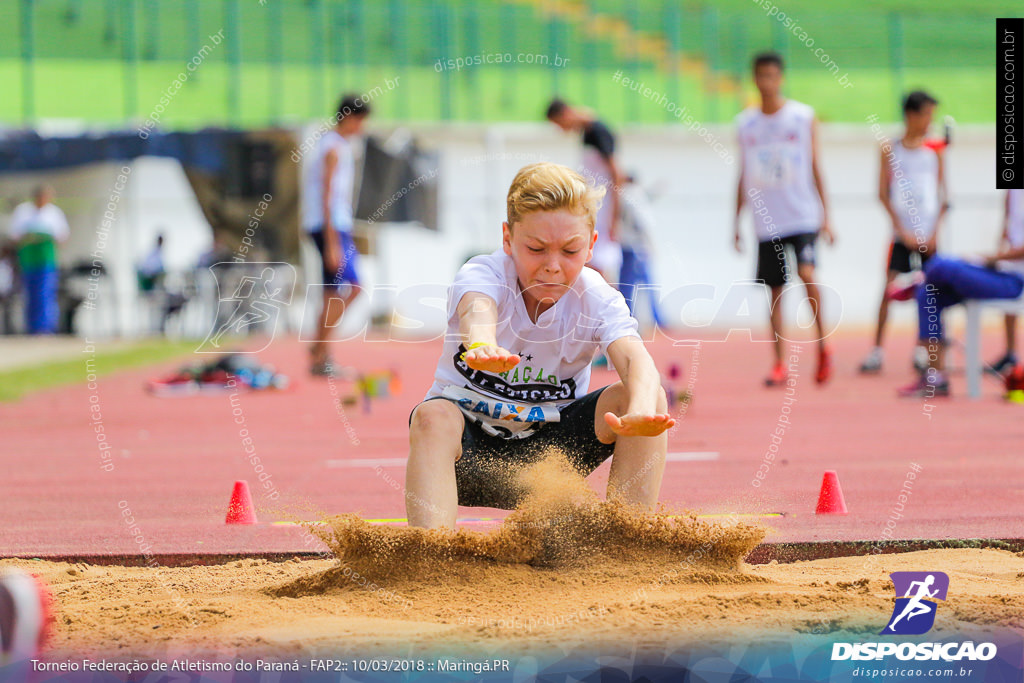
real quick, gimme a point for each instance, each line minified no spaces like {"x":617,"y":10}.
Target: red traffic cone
{"x":240,"y":509}
{"x":830,"y":500}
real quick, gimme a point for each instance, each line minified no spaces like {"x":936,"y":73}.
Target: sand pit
{"x":565,"y":571}
{"x":239,"y":608}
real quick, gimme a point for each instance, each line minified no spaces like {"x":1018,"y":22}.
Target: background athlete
{"x":779,"y":166}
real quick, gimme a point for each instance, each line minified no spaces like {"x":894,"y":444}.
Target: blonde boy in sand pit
{"x":524,"y":324}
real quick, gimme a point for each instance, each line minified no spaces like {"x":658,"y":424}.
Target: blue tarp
{"x":203,"y":150}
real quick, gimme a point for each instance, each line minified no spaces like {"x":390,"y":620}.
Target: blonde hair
{"x":549,"y":187}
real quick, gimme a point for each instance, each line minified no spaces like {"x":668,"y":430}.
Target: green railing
{"x":266,"y":62}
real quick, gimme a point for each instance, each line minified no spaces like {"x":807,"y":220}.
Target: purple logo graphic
{"x":916,"y":593}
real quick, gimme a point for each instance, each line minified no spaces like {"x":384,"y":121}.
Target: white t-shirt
{"x":777,"y":161}
{"x":636,"y":219}
{"x":914,"y":187}
{"x":341,"y":186}
{"x":1014,"y":230}
{"x":29,"y":218}
{"x":556,"y":351}
{"x":1015,"y":218}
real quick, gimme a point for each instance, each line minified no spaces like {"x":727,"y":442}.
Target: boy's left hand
{"x":639,"y":425}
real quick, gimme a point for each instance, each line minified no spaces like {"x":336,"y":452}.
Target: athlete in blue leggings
{"x":947,"y":282}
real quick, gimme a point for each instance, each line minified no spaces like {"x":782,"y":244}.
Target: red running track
{"x":175,"y":459}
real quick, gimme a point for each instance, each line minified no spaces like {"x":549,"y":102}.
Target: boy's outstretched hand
{"x":490,"y":359}
{"x":639,"y":425}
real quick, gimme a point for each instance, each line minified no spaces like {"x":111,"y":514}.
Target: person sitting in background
{"x":949,"y":281}
{"x":38,"y":227}
{"x":1012,"y":238}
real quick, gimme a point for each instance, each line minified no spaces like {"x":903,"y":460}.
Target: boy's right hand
{"x":490,"y":358}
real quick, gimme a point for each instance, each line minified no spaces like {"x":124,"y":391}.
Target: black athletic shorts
{"x":773,"y":262}
{"x":903,"y":259}
{"x":486,"y":472}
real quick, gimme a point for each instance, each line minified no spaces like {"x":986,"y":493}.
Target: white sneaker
{"x":872,"y":365}
{"x":920,"y":358}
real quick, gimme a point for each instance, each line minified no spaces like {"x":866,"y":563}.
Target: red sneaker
{"x":906,"y":290}
{"x":778,"y":376}
{"x":824,"y":365}
{"x":926,"y":386}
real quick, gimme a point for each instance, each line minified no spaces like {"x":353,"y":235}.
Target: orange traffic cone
{"x":240,"y":509}
{"x":830,"y":500}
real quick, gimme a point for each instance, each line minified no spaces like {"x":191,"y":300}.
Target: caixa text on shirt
{"x":476,"y":405}
{"x":532,"y":393}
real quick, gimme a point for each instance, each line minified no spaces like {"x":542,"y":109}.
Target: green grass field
{"x":16,"y":383}
{"x":286,"y":60}
{"x":476,"y":94}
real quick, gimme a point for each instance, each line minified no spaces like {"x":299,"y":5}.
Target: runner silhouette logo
{"x":250,"y":300}
{"x":916,"y":593}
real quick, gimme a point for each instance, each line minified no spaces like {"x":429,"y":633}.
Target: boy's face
{"x":768,"y":79}
{"x":564,"y":120}
{"x":549,"y":249}
{"x":919,"y":121}
{"x":352,"y":125}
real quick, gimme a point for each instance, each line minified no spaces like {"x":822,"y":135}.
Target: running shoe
{"x":920,"y":361}
{"x":872,"y":364}
{"x":25,"y":607}
{"x":324,"y":368}
{"x":778,"y":376}
{"x":928,"y":385}
{"x":905,"y":290}
{"x":1003,"y":366}
{"x":824,"y":365}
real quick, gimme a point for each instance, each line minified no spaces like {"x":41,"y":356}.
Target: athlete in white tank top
{"x":911,"y":188}
{"x":777,"y":164}
{"x":1013,"y":232}
{"x":914,"y":188}
{"x":340,"y":201}
{"x":781,"y":180}
{"x":328,"y":180}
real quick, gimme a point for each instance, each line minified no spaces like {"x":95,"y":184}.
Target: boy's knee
{"x":806,"y":272}
{"x":616,"y":397}
{"x":436,"y":416}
